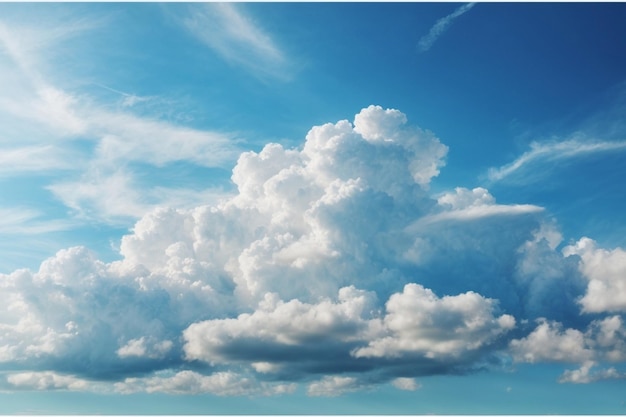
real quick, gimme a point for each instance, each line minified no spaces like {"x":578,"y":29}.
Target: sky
{"x":312,"y":208}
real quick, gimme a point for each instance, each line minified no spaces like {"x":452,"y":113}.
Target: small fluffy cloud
{"x":584,"y":375}
{"x":549,"y":342}
{"x":605,"y":271}
{"x":143,"y":348}
{"x":406,"y":384}
{"x":418,"y":322}
{"x":44,"y":381}
{"x":603,"y":341}
{"x":333,"y":386}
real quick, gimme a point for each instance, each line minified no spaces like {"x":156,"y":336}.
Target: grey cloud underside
{"x":333,"y":265}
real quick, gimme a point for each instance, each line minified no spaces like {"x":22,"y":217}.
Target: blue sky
{"x":335,"y":208}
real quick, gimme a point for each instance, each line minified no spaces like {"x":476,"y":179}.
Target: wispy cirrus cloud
{"x":427,"y":41}
{"x":467,"y":205}
{"x":36,"y":159}
{"x":24,"y":220}
{"x":28,"y":46}
{"x":229,"y":31}
{"x":545,"y":152}
{"x":84,"y":145}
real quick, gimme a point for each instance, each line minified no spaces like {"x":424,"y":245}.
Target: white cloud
{"x":37,"y":159}
{"x":479,"y":212}
{"x":549,"y":283}
{"x":463,"y":198}
{"x":25,"y":44}
{"x":419,"y":322}
{"x":605,"y":271}
{"x":467,"y":205}
{"x":584,"y":375}
{"x":126,"y":137}
{"x":604,"y":340}
{"x":427,"y":41}
{"x":549,"y":342}
{"x":333,"y":386}
{"x":426,"y":152}
{"x":102,"y":195}
{"x":289,"y":336}
{"x":143,"y":347}
{"x":90,"y":152}
{"x":83,"y":316}
{"x":406,"y":384}
{"x":285,"y":278}
{"x":278,"y":323}
{"x":225,"y":28}
{"x":43,"y":381}
{"x":304,"y":224}
{"x":189,"y":382}
{"x":128,"y":100}
{"x":27,"y":221}
{"x":551,"y":151}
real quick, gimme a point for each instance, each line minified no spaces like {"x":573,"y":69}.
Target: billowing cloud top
{"x":332,"y":266}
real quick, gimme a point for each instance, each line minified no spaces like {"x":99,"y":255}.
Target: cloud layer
{"x":332,"y":266}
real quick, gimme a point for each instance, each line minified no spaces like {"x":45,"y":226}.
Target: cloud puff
{"x":406,"y":384}
{"x":283,"y":332}
{"x":418,"y":322}
{"x":604,"y":340}
{"x":584,"y":375}
{"x":143,"y":348}
{"x":332,"y":386}
{"x":549,"y":342}
{"x":605,"y":271}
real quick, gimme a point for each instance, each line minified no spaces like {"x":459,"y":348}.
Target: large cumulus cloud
{"x":331,"y":264}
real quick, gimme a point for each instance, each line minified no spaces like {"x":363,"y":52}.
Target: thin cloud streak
{"x":224,"y":28}
{"x":36,"y":159}
{"x":475,"y":213}
{"x":550,"y":152}
{"x":26,"y":221}
{"x":427,"y":41}
{"x":25,"y":45}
